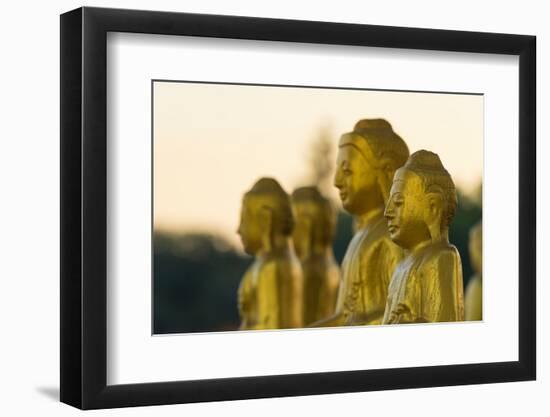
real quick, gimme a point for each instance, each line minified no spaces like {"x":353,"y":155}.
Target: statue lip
{"x":392,"y":228}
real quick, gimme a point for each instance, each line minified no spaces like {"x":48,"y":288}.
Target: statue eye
{"x":347,"y":171}
{"x":398,"y":200}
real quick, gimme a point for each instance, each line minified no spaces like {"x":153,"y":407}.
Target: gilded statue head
{"x":422,"y":201}
{"x":315,"y":220}
{"x":367,"y":160}
{"x":475,"y":247}
{"x":266,"y":215}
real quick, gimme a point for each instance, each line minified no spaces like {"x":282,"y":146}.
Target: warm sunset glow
{"x":212,"y":142}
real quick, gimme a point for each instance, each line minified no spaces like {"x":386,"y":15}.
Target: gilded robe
{"x":427,"y":287}
{"x":367,"y":268}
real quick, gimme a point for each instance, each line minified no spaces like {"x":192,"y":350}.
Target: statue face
{"x":357,"y":181}
{"x":250,"y":229}
{"x":406,"y":211}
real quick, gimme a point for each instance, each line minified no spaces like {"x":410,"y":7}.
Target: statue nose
{"x":337,"y":180}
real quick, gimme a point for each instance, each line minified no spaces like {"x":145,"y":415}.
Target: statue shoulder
{"x":247,"y":278}
{"x":449,"y":255}
{"x":435,"y":262}
{"x":279,"y":265}
{"x":441,"y":253}
{"x":441,"y":262}
{"x":268,"y":265}
{"x":250,"y":275}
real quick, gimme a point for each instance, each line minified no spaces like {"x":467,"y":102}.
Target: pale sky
{"x":212,"y":141}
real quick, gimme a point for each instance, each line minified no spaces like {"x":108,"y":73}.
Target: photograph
{"x":260,"y":205}
{"x":294,"y":207}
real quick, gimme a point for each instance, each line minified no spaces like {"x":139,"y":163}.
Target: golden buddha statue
{"x":315,"y":224}
{"x":427,"y":284}
{"x":367,"y":160}
{"x":270,"y":294}
{"x":473,"y":300}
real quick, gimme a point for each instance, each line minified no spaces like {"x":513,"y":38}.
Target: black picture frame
{"x":84,"y":207}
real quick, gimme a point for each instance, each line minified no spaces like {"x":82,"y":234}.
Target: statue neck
{"x":421,"y":245}
{"x":417,"y":247}
{"x":320,"y":249}
{"x":370,"y":217}
{"x":278,"y":243}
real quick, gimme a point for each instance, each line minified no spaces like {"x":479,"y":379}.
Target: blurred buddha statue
{"x":315,"y":224}
{"x":367,"y":160}
{"x":473,"y":300}
{"x":427,"y":284}
{"x":270,"y":294}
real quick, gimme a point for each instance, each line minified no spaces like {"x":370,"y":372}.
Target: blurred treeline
{"x":196,"y":276}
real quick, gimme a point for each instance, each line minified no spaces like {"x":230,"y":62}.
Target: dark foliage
{"x":196,"y":278}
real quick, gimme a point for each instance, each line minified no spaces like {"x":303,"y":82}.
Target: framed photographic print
{"x":257,"y":207}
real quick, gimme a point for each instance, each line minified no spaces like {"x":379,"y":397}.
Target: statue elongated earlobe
{"x":386,"y":174}
{"x":385,"y":179}
{"x":308,"y":222}
{"x":435,"y":215}
{"x":266,"y":220}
